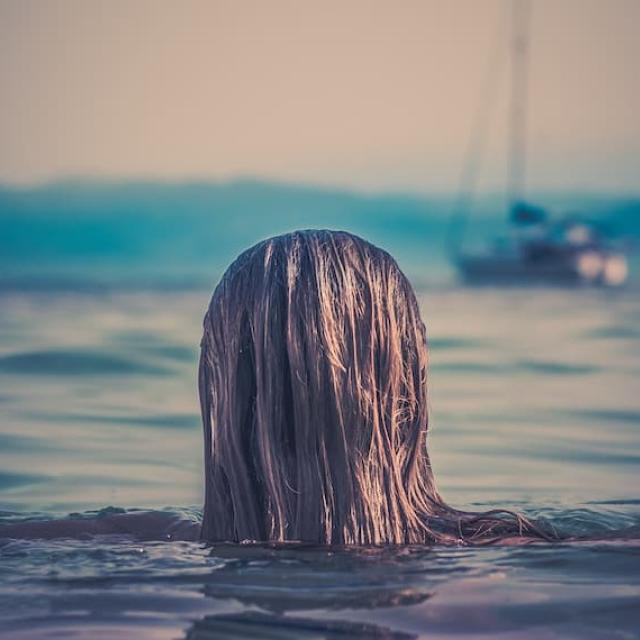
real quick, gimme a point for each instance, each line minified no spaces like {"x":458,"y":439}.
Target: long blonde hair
{"x":313,"y":390}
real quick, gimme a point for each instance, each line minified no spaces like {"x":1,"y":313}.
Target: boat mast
{"x":521,"y":13}
{"x":478,"y":138}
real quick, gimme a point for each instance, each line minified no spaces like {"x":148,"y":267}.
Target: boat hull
{"x":490,"y":270}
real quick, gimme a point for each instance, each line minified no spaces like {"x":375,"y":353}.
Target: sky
{"x":374,"y":95}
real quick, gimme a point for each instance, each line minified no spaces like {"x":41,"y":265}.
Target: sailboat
{"x":568,"y":251}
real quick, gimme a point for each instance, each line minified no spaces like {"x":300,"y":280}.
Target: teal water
{"x":83,"y":236}
{"x":535,"y":406}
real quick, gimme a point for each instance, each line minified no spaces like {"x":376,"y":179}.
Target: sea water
{"x":535,"y":406}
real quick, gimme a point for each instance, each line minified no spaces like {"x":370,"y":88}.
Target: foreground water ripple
{"x":534,"y":407}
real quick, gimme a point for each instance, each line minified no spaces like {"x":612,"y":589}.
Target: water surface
{"x":535,"y":406}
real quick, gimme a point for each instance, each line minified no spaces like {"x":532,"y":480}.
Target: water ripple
{"x":75,"y":363}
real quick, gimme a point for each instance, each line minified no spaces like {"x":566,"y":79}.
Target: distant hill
{"x":184,"y":234}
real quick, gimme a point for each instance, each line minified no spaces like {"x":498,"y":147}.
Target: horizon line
{"x":78,"y":180}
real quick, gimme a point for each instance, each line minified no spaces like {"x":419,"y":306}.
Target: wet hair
{"x":313,"y":390}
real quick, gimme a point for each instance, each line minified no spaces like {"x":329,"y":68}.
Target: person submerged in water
{"x":313,"y":391}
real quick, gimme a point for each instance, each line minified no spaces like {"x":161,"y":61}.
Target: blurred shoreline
{"x":96,"y":236}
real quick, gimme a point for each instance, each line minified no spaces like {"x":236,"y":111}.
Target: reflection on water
{"x":114,"y":588}
{"x":267,"y":626}
{"x":534,"y":406}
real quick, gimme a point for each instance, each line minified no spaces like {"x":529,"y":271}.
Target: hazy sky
{"x":370,"y":94}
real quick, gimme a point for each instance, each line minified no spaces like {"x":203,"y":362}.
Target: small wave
{"x":616,"y":332}
{"x":14,"y":480}
{"x":467,"y":367}
{"x":555,"y":368}
{"x":175,"y":352}
{"x":154,"y":345}
{"x":621,"y":501}
{"x":444,"y":343}
{"x":164,"y":421}
{"x":75,"y":363}
{"x":609,"y":415}
{"x":521,"y":366}
{"x":13,"y":443}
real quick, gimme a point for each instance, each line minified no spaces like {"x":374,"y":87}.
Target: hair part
{"x":313,"y":391}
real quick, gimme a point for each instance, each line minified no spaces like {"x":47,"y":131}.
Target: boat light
{"x":590,"y":265}
{"x":615,"y":270}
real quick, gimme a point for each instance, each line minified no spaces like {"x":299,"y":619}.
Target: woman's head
{"x":313,"y":389}
{"x":314,"y":394}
